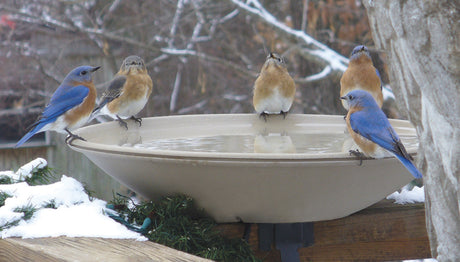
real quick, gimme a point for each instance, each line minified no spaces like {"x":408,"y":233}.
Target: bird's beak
{"x":343,"y":97}
{"x":95,"y":68}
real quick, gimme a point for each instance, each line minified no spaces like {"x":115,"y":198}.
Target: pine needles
{"x":37,"y":176}
{"x":179,"y":224}
{"x":40,"y":176}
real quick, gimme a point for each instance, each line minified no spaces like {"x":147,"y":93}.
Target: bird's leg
{"x":358,"y":155}
{"x":122,"y":122}
{"x":71,"y":137}
{"x":137,"y":120}
{"x":264,"y":115}
{"x":284,"y":114}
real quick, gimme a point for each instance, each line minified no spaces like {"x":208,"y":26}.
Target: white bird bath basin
{"x":224,"y":163}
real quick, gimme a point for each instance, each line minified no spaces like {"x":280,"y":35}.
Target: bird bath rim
{"x":402,"y":127}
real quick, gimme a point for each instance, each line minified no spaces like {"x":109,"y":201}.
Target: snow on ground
{"x":408,"y":196}
{"x":75,"y":213}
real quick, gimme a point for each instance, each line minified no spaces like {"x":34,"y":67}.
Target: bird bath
{"x":240,"y":168}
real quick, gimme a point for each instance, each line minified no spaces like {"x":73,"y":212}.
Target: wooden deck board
{"x":89,"y":249}
{"x":381,"y":232}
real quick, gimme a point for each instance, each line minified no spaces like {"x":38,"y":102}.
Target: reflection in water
{"x":131,"y":136}
{"x":314,"y":143}
{"x":274,"y":143}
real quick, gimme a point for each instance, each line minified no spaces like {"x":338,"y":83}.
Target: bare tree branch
{"x":176,"y":88}
{"x":313,"y":48}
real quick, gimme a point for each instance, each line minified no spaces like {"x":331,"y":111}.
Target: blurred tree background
{"x":203,"y":55}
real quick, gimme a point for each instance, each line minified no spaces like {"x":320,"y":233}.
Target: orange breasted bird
{"x":274,"y":89}
{"x":127,"y":93}
{"x":361,"y":74}
{"x":372,"y":132}
{"x":70,"y":106}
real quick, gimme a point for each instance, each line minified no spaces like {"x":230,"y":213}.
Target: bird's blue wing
{"x":375,"y":127}
{"x":64,"y":99}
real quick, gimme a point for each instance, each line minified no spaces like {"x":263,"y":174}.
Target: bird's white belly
{"x":60,"y":124}
{"x":130,"y":109}
{"x":274,"y":103}
{"x":127,"y":109}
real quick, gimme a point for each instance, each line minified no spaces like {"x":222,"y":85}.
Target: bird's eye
{"x":83,"y":73}
{"x":351,"y":97}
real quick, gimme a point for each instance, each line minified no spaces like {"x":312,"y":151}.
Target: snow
{"x":408,"y":196}
{"x":75,"y":215}
{"x":387,"y":92}
{"x":26,"y":170}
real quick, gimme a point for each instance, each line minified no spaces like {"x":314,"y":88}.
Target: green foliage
{"x":28,"y":211}
{"x":3,"y":197}
{"x":179,"y":224}
{"x":5,"y":180}
{"x":40,"y":176}
{"x":50,"y":204}
{"x":9,"y":224}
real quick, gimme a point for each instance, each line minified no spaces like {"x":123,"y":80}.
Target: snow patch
{"x":62,"y":209}
{"x":408,"y":196}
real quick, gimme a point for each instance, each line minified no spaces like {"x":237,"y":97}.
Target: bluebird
{"x":361,"y":74}
{"x":274,"y":88}
{"x":70,"y":105}
{"x":127,"y":93}
{"x":371,"y":130}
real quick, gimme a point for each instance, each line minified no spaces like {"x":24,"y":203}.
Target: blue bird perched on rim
{"x":70,"y":106}
{"x":361,"y":74}
{"x":372,"y":132}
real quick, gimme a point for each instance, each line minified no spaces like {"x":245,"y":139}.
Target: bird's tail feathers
{"x":36,"y":129}
{"x":96,"y":112}
{"x":410,"y":166}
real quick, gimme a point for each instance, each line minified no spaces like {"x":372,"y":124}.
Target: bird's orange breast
{"x":361,"y":74}
{"x":137,"y":86}
{"x":85,"y":108}
{"x":270,"y":78}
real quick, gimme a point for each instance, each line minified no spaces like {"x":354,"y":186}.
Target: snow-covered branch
{"x":318,"y":52}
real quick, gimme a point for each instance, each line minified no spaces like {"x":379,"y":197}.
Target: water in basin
{"x":261,"y":143}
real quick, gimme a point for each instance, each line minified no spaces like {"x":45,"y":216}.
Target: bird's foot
{"x":71,"y":137}
{"x":345,"y":117}
{"x":137,"y":120}
{"x":122,"y":122}
{"x":284,"y":114}
{"x":264,"y":115}
{"x":357,"y":154}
